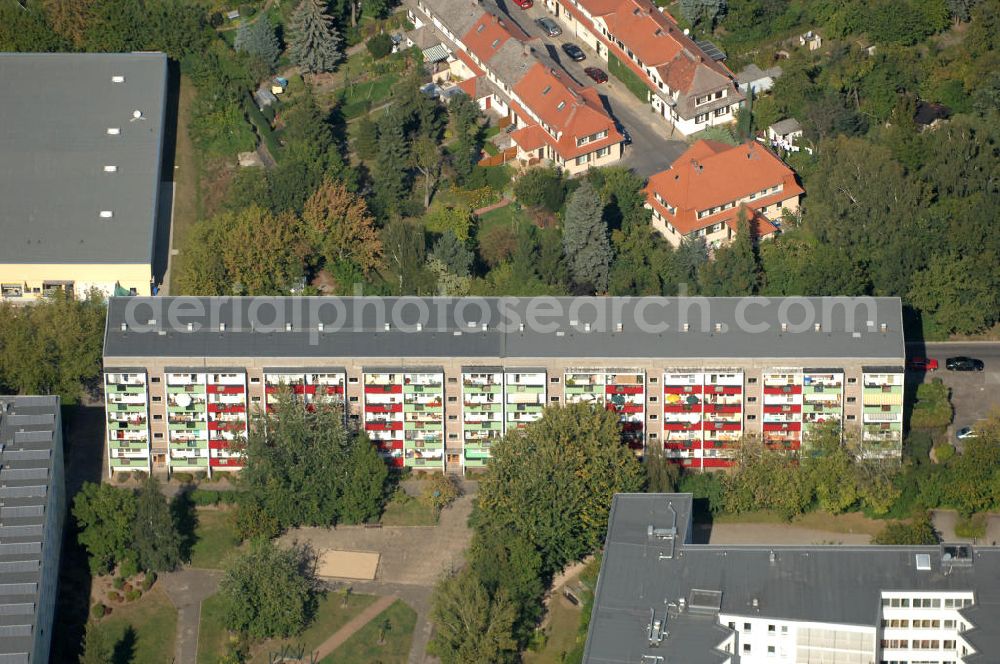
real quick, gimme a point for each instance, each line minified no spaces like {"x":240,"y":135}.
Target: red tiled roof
{"x":530,"y":137}
{"x":488,"y":34}
{"x":710,"y":174}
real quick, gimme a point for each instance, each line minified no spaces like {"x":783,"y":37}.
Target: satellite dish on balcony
{"x":183,"y":400}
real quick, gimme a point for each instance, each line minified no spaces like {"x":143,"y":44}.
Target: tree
{"x":451,"y":251}
{"x":506,"y":562}
{"x":156,"y":540}
{"x":249,"y":252}
{"x":379,"y":45}
{"x":68,"y":18}
{"x":339,"y":227}
{"x":919,"y":530}
{"x":831,"y":471}
{"x":97,"y":647}
{"x":662,"y":475}
{"x":259,"y":40}
{"x":456,"y":220}
{"x":315,"y":43}
{"x":553,"y":484}
{"x":470,"y":625}
{"x":972,"y":473}
{"x":466,"y":126}
{"x":541,"y":187}
{"x":703,"y":13}
{"x":426,"y":157}
{"x":365,"y":482}
{"x":585,"y":238}
{"x":763,"y":480}
{"x":268,"y":591}
{"x":961,"y":293}
{"x":105,"y":516}
{"x":392,"y":181}
{"x":405,"y":258}
{"x":736,"y":270}
{"x":300,"y":465}
{"x":366,"y":138}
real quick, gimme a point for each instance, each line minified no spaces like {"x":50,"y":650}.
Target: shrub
{"x":216,"y":19}
{"x":204,"y":497}
{"x":200,"y":475}
{"x":943,"y":452}
{"x":380,"y":45}
{"x":920,"y":530}
{"x":114,"y":596}
{"x":140,"y":475}
{"x":230,"y":497}
{"x":132,"y":595}
{"x":121,"y":478}
{"x":253,"y":521}
{"x":129,"y":567}
{"x":932,"y":407}
{"x":440,"y":491}
{"x":541,"y":187}
{"x":98,"y":611}
{"x":973,"y":527}
{"x":148,"y":581}
{"x":118,"y":583}
{"x":184,"y":478}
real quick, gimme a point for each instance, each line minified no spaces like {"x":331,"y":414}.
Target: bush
{"x":920,"y":530}
{"x":973,"y":527}
{"x":541,"y":187}
{"x":230,"y":497}
{"x":380,"y":45}
{"x":253,"y":521}
{"x":216,"y":19}
{"x":132,"y":595}
{"x":118,"y":583}
{"x":140,"y":475}
{"x":98,"y":611}
{"x":200,"y":475}
{"x":184,"y":478}
{"x":943,"y":452}
{"x":440,"y":491}
{"x":204,"y":497}
{"x":129,"y":567}
{"x":148,"y":581}
{"x":114,"y":596}
{"x":121,"y":478}
{"x":933,"y":407}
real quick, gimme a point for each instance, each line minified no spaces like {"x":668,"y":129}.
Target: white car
{"x":966,"y":432}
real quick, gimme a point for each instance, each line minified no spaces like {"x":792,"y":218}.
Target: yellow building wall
{"x":104,"y":277}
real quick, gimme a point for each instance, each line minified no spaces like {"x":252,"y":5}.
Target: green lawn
{"x":561,"y":632}
{"x":212,"y":633}
{"x":215,"y":537}
{"x":330,"y":617}
{"x":410,"y":513}
{"x":509,"y":215}
{"x":143,"y":630}
{"x":363,"y":648}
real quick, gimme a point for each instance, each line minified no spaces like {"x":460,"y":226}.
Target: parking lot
{"x":652,"y":149}
{"x":974,"y":394}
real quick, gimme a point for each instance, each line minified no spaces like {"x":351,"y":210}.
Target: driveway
{"x":653,"y":148}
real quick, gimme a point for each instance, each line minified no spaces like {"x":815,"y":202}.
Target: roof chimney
{"x":883,"y":327}
{"x":222,"y":327}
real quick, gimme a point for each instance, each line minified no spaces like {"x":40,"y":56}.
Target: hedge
{"x":629,"y":78}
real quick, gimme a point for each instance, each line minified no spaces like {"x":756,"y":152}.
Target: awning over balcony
{"x":436,"y":53}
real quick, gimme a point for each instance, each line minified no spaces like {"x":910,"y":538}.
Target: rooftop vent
{"x":117,"y":78}
{"x":420,"y":327}
{"x":784,"y":327}
{"x":657,"y":629}
{"x":817,"y":327}
{"x":883,"y":328}
{"x":386,"y":327}
{"x":107,"y":214}
{"x":520,"y":327}
{"x":190,"y":327}
{"x":319,"y":326}
{"x":718,"y":327}
{"x":137,"y":115}
{"x":687,"y":326}
{"x":114,"y":131}
{"x":923,"y":561}
{"x":110,"y":168}
{"x":771,"y":557}
{"x":288,"y":327}
{"x":484,"y":327}
{"x":222,"y":327}
{"x":619,"y":327}
{"x":586,"y":327}
{"x":124,"y":327}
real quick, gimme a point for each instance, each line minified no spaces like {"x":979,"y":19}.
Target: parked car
{"x":597,"y":74}
{"x":962,"y":363}
{"x":524,"y":4}
{"x":549,"y":26}
{"x":966,"y":432}
{"x":574,"y":52}
{"x":626,"y":137}
{"x":922,"y":364}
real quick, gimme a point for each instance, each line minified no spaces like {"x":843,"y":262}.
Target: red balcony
{"x":389,"y":444}
{"x":682,"y":445}
{"x":383,"y":426}
{"x":723,"y":389}
{"x":629,"y":408}
{"x":234,"y":427}
{"x":724,"y":408}
{"x":776,"y":409}
{"x":681,"y":408}
{"x":784,"y":389}
{"x":226,"y":408}
{"x":681,"y":426}
{"x":780,"y":445}
{"x":723,"y":426}
{"x":682,"y":389}
{"x":624,"y":389}
{"x":216,"y":462}
{"x":631,"y":426}
{"x":384,"y":408}
{"x":383,"y":389}
{"x":334,"y":389}
{"x":782,"y":426}
{"x":224,"y":389}
{"x":721,"y":444}
{"x":717,"y":463}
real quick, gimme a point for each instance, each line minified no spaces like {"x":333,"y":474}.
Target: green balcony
{"x":194,"y":462}
{"x":185,"y":389}
{"x":422,"y":389}
{"x":525,"y":408}
{"x":129,"y":464}
{"x":525,"y":389}
{"x":482,"y":389}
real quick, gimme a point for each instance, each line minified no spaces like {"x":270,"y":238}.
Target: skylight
{"x":547,"y":90}
{"x":561,"y":106}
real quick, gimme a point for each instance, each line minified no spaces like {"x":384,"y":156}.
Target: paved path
{"x":186,"y":590}
{"x":780,"y":533}
{"x":352,"y":626}
{"x":419,"y":599}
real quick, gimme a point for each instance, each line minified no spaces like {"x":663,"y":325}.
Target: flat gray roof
{"x":830,"y":584}
{"x":865,"y":329}
{"x":27,"y":438}
{"x":54,"y":146}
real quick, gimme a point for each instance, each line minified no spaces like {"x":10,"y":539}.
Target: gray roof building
{"x":864,"y":329}
{"x":703,"y":594}
{"x":80,"y":146}
{"x":31,"y":519}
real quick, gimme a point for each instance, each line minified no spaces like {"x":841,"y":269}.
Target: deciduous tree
{"x":156,"y":540}
{"x":470,"y":625}
{"x":105,"y":516}
{"x":339,"y":227}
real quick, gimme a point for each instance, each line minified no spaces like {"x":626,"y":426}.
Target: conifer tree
{"x":585,"y":238}
{"x":315,"y":43}
{"x":259,"y":40}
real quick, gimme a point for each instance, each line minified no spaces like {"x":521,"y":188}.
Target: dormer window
{"x":496,"y":42}
{"x":482,"y":26}
{"x":547,"y":90}
{"x":561,"y":106}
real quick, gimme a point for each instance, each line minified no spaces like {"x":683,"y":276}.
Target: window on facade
{"x":703,"y":117}
{"x":157,"y":435}
{"x":157,"y":399}
{"x":582,"y":159}
{"x":452,"y":399}
{"x":746,"y":647}
{"x":157,"y":417}
{"x":154,"y":379}
{"x":353,"y":399}
{"x":719,"y":112}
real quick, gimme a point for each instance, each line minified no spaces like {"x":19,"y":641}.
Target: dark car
{"x":574,"y":52}
{"x":596,"y":73}
{"x":626,"y":137}
{"x":549,"y":26}
{"x":962,"y":363}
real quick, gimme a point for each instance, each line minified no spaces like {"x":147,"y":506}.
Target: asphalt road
{"x":974,"y":394}
{"x":652,"y":148}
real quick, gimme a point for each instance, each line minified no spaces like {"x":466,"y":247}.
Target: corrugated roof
{"x":55,"y":145}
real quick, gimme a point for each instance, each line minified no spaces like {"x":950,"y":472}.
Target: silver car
{"x":549,"y":26}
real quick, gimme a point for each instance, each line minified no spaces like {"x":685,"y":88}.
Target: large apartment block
{"x":662,"y":598}
{"x":686,"y":86}
{"x":555,"y":120}
{"x":32,"y":511}
{"x":434,"y":381}
{"x":80,"y":155}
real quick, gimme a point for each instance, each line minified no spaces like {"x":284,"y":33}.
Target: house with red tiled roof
{"x":555,"y":119}
{"x":712,"y":185}
{"x":686,"y":87}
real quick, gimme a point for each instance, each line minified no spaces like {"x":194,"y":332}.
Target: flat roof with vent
{"x":67,"y":118}
{"x":30,"y":486}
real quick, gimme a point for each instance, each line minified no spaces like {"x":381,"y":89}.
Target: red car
{"x":922,"y":364}
{"x":597,"y":74}
{"x":524,"y":4}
